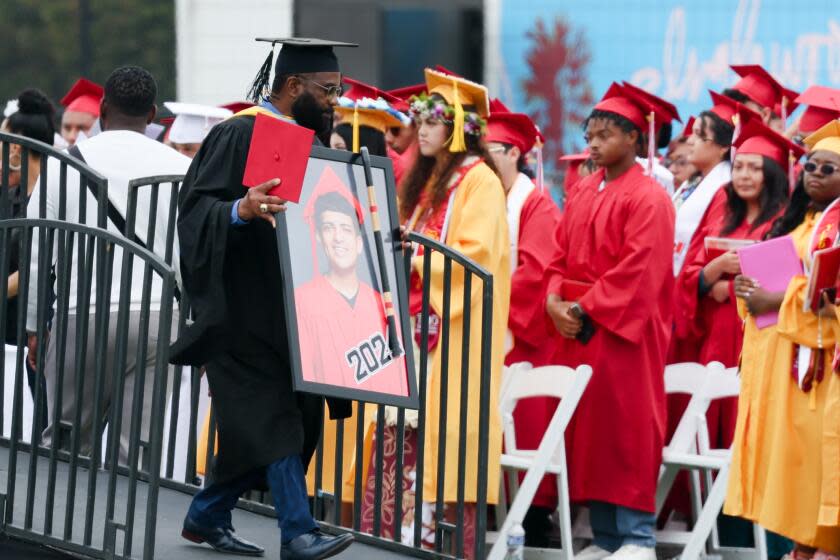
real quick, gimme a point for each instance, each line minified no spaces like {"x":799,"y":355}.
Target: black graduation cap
{"x":298,"y":55}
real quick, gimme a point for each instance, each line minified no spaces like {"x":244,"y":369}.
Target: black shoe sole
{"x":339,"y":548}
{"x":192,"y":537}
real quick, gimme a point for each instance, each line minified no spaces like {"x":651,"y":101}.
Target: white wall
{"x":217,"y":56}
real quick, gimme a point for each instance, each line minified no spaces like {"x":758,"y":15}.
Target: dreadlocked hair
{"x":255,"y":93}
{"x":437,"y":174}
{"x":795,"y":212}
{"x":623,"y":123}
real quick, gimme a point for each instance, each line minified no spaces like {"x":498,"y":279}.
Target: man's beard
{"x":307,"y":113}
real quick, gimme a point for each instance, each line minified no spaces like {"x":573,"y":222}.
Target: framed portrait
{"x":340,"y":339}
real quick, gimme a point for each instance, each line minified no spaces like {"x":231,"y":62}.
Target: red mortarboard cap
{"x":279,"y":149}
{"x":515,"y":129}
{"x":725,"y":107}
{"x":689,"y":127}
{"x":823,"y":107}
{"x":403,"y":94}
{"x":621,"y":102}
{"x":665,"y":111}
{"x":758,"y":138}
{"x":237,"y":106}
{"x":496,"y":106}
{"x":84,"y":97}
{"x":447,"y":71}
{"x":329,"y":182}
{"x":359,"y":90}
{"x":757,"y":84}
{"x":581,"y":156}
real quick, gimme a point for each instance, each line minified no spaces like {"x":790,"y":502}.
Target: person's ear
{"x":766,"y":115}
{"x":103,"y":114}
{"x":152,"y":113}
{"x":294,"y":87}
{"x":514,"y":153}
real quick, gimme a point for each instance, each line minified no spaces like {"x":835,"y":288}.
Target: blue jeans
{"x":615,"y":526}
{"x":211,"y":507}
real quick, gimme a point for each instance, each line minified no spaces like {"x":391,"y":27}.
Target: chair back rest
{"x":521,"y":381}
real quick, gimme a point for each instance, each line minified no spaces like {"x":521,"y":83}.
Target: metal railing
{"x":101,"y":374}
{"x":172,"y":459}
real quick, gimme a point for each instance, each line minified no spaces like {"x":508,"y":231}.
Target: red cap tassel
{"x":651,"y":143}
{"x":737,"y":132}
{"x":791,"y":171}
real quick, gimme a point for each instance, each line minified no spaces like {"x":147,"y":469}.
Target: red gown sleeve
{"x":685,"y":289}
{"x":539,"y":218}
{"x":627,"y":296}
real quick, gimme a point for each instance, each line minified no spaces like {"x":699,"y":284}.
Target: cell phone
{"x":587,"y":330}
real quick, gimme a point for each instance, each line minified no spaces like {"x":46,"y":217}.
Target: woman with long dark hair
{"x":785,"y":474}
{"x":453,"y":194}
{"x":755,"y":197}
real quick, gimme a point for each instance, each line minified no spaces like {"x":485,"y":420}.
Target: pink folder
{"x":773,"y":263}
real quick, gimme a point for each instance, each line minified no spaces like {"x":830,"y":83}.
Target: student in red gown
{"x":532,"y":221}
{"x":613,"y":247}
{"x":757,"y":194}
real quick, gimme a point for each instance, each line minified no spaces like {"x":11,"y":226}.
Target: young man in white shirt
{"x":121,"y":152}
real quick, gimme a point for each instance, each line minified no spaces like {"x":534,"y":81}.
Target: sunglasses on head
{"x":825,"y":168}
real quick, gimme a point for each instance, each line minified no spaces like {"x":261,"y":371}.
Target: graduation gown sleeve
{"x":538,"y":223}
{"x":621,"y":300}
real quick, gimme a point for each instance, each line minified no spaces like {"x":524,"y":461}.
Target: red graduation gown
{"x":538,"y":221}
{"x":345,"y":344}
{"x":718,"y":326}
{"x":621,"y":241}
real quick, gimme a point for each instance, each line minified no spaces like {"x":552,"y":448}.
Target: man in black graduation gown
{"x":232,"y":276}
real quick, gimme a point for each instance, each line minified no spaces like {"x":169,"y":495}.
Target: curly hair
{"x":624,"y":124}
{"x":34,"y":117}
{"x":131,"y":90}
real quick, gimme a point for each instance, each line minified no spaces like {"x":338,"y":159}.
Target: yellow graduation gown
{"x":777,"y":473}
{"x":477,"y":229}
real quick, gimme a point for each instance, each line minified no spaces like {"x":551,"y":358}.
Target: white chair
{"x":521,"y":381}
{"x":690,"y":449}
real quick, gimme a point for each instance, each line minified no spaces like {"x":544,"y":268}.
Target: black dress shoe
{"x":222,"y":539}
{"x":314,"y":545}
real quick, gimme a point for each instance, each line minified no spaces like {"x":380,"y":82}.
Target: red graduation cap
{"x":84,"y":97}
{"x":666,"y":111}
{"x":761,"y":87}
{"x":581,"y":156}
{"x":621,"y":102}
{"x":403,"y":94}
{"x":725,"y":107}
{"x":758,"y":138}
{"x":823,"y":107}
{"x":516,"y":129}
{"x":237,"y":106}
{"x":329,"y":182}
{"x":279,"y":149}
{"x":359,"y":90}
{"x":689,"y":127}
{"x":447,"y":71}
{"x":496,"y":106}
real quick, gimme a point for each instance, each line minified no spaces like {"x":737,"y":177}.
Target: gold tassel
{"x":356,"y":128}
{"x":458,"y":142}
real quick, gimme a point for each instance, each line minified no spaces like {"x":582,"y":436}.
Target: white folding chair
{"x":521,"y":381}
{"x":690,"y":449}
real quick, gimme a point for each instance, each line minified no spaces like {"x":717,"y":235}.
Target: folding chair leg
{"x":663,"y":487}
{"x":760,"y":542}
{"x":519,"y":507}
{"x":707,"y":518}
{"x":565,"y":515}
{"x":501,"y":507}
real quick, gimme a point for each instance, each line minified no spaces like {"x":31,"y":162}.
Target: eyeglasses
{"x":497,"y":149}
{"x":825,"y":168}
{"x":332,"y":91}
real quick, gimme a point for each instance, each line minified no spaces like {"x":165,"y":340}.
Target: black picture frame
{"x":292,"y":245}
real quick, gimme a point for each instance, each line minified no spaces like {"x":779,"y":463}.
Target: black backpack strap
{"x":113,"y":214}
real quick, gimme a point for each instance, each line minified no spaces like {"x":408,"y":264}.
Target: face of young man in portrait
{"x":341,"y":241}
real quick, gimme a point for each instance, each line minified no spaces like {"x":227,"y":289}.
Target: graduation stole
{"x":434,"y":223}
{"x":809,"y":365}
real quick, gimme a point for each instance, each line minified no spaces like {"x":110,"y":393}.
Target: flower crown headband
{"x":428,"y":107}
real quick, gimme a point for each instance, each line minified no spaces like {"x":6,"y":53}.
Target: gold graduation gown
{"x":778,"y":469}
{"x":477,"y":229}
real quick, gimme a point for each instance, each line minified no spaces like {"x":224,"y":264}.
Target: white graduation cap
{"x":11,"y":108}
{"x":193,"y":122}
